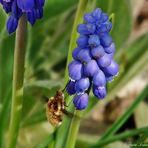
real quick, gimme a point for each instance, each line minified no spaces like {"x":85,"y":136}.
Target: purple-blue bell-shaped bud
{"x":84,"y":55}
{"x":111,"y":48}
{"x":89,"y":18}
{"x":112,"y":69}
{"x":104,"y":61}
{"x":105,"y":40}
{"x":75,"y":53}
{"x":109,"y":78}
{"x":94,"y":41}
{"x":82,"y":41}
{"x":26,"y":5}
{"x":99,"y":92}
{"x":7,"y":6}
{"x":82,"y":29}
{"x":31,"y":17}
{"x":91,"y":28}
{"x":97,"y":52}
{"x":86,"y":29}
{"x":90,"y":68}
{"x":71,"y":88}
{"x":81,"y":101}
{"x":99,"y":79}
{"x":106,"y":27}
{"x":104,"y":17}
{"x":82,"y":85}
{"x":75,"y":69}
{"x":12,"y":24}
{"x":17,"y":12}
{"x":39,"y":3}
{"x":38,"y":13}
{"x":97,"y":13}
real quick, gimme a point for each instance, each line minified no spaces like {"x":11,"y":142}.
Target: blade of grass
{"x":46,"y":142}
{"x":18,"y":79}
{"x":121,"y":136}
{"x":63,"y":131}
{"x":78,"y":19}
{"x":141,"y":139}
{"x":4,"y":114}
{"x":75,"y":123}
{"x":119,"y":122}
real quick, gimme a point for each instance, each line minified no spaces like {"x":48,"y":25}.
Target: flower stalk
{"x":78,"y":19}
{"x":18,"y":79}
{"x":74,"y":126}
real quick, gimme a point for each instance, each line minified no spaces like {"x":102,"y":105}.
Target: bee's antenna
{"x":45,"y":98}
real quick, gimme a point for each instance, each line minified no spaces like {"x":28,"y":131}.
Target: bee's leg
{"x":69,"y":114}
{"x":65,"y":104}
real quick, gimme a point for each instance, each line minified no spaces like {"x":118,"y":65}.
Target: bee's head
{"x":59,"y":93}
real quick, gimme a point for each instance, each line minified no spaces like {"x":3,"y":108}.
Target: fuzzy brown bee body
{"x":55,"y":109}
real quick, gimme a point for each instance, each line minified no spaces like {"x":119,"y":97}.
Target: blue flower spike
{"x":93,"y":65}
{"x":33,"y":9}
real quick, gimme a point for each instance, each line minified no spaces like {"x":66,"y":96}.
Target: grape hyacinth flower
{"x":33,"y":9}
{"x":93,"y":64}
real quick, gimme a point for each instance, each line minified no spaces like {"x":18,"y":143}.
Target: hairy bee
{"x":55,"y":109}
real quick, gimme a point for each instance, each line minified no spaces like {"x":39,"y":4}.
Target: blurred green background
{"x":47,"y":48}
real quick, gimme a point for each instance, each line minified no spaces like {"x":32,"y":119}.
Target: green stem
{"x":74,"y":128}
{"x":18,"y":78}
{"x":78,"y":19}
{"x":63,"y":134}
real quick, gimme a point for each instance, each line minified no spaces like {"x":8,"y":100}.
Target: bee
{"x":55,"y":109}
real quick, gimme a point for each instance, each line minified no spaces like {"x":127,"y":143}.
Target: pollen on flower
{"x":93,"y":64}
{"x":33,"y":9}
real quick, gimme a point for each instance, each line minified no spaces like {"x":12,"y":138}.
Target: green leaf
{"x":33,"y":110}
{"x":6,"y":65}
{"x":55,"y":7}
{"x":3,"y":21}
{"x":123,"y":20}
{"x":49,"y":28}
